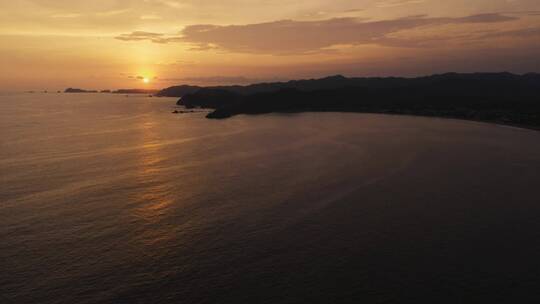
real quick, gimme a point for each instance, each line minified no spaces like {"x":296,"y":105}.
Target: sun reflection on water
{"x":154,"y":197}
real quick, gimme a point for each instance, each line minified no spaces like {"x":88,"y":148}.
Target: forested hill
{"x":497,"y":97}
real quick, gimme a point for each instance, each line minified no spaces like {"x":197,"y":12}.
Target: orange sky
{"x":105,"y":44}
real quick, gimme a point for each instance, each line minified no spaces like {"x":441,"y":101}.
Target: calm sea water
{"x":109,"y":199}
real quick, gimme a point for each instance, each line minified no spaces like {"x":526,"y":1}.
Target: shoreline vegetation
{"x":502,"y":98}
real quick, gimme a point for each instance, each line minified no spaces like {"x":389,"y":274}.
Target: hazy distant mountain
{"x":76,"y":90}
{"x":311,"y":84}
{"x":178,"y":91}
{"x":339,"y":81}
{"x":135,"y":91}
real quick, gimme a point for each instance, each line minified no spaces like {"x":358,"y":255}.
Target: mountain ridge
{"x":337,"y":81}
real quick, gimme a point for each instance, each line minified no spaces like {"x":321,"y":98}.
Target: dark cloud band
{"x":297,"y":37}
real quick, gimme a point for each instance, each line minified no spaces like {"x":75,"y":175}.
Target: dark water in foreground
{"x":107,"y":199}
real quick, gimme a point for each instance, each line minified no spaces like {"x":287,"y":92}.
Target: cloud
{"x":300,"y":37}
{"x":470,"y":37}
{"x":149,"y":36}
{"x":354,"y":10}
{"x":394,"y":3}
{"x":220,"y":80}
{"x":217,"y":79}
{"x":139,"y":36}
{"x":112,"y":12}
{"x":169,"y":3}
{"x":68,"y":15}
{"x":135,"y":77}
{"x":151,"y":17}
{"x":521,"y":33}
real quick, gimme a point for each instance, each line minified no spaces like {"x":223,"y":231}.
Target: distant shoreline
{"x":491,"y":122}
{"x":496,"y":122}
{"x":119,"y":91}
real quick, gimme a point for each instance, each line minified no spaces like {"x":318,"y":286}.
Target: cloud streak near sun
{"x":296,"y":37}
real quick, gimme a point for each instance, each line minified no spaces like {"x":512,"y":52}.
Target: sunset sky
{"x":105,"y":44}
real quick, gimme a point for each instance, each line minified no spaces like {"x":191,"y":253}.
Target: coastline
{"x":493,"y":122}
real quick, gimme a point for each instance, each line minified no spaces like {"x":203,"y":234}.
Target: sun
{"x":146,"y":80}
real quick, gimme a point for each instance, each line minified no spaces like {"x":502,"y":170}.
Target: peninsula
{"x":494,"y":97}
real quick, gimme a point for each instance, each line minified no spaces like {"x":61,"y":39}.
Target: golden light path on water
{"x":156,"y":195}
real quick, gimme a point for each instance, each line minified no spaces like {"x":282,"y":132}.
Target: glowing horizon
{"x":54,"y":44}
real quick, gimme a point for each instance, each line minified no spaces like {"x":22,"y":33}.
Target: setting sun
{"x":146,"y":80}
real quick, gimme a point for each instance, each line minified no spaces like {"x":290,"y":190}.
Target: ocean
{"x":112,"y":199}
